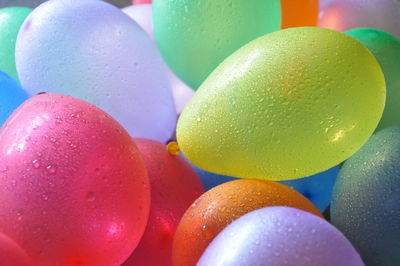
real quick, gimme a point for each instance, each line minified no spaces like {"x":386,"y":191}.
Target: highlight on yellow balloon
{"x":287,"y":105}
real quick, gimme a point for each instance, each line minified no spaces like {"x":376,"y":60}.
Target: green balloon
{"x":287,"y":105}
{"x":11,"y":19}
{"x":386,"y":49}
{"x":195,"y":36}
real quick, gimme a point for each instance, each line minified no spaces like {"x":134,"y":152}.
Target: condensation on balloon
{"x":65,"y":47}
{"x":277,"y":236}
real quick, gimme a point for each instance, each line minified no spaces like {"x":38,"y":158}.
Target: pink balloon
{"x":138,"y":2}
{"x":174,"y":187}
{"x":142,"y":14}
{"x":343,"y":15}
{"x":73,"y":186}
{"x":11,"y":254}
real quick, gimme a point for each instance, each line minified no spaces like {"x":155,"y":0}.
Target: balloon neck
{"x":173,"y":148}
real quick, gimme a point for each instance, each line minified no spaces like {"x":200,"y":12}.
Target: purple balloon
{"x":142,"y":14}
{"x":343,"y":15}
{"x":277,"y":236}
{"x":92,"y":50}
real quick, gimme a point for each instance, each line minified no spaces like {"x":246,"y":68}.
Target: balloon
{"x":342,"y":15}
{"x":218,"y":207}
{"x":277,"y":236}
{"x":174,"y":187}
{"x":142,"y":14}
{"x":211,"y":180}
{"x":11,"y":96}
{"x":276,"y":105}
{"x":386,"y":50}
{"x":196,"y":36}
{"x":11,"y":254}
{"x":74,"y":188}
{"x":365,"y":204}
{"x":299,"y":13}
{"x":138,"y":2}
{"x":64,"y":47}
{"x":316,"y":188}
{"x":11,"y":19}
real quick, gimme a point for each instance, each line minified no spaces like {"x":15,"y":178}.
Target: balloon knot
{"x":173,"y":148}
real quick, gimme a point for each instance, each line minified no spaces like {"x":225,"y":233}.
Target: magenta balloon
{"x":11,"y":254}
{"x":276,"y":236}
{"x":74,"y":188}
{"x":343,"y":15}
{"x":92,"y":50}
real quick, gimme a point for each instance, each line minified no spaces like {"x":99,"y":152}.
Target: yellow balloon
{"x":287,"y":105}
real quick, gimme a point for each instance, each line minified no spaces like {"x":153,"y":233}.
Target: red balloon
{"x":73,"y":187}
{"x":174,"y":187}
{"x":138,"y":2}
{"x":11,"y":254}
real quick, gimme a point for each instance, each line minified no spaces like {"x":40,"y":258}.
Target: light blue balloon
{"x":277,"y":236}
{"x":317,"y":188}
{"x":11,"y":96}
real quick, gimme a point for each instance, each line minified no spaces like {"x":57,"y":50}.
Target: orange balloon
{"x":218,"y":207}
{"x":299,"y":13}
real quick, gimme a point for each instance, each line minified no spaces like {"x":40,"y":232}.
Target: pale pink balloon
{"x":11,"y":254}
{"x":343,"y":15}
{"x":73,"y":187}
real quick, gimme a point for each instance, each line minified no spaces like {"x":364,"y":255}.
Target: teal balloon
{"x":11,"y":19}
{"x":366,"y":199}
{"x":386,"y":48}
{"x":195,"y":36}
{"x":11,"y":96}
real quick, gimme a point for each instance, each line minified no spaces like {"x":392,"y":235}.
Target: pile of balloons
{"x":200,"y":132}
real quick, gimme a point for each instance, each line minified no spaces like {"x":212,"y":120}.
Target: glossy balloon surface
{"x":65,"y":47}
{"x":194,"y":37}
{"x":174,"y":187}
{"x":277,"y":236}
{"x":11,"y":254}
{"x":142,"y":14}
{"x":273,"y":107}
{"x":386,"y":49}
{"x":11,"y":96}
{"x":299,"y":13}
{"x":342,"y":15}
{"x":366,"y":196}
{"x":74,"y":188}
{"x":316,"y":188}
{"x":218,"y":207}
{"x":11,"y":19}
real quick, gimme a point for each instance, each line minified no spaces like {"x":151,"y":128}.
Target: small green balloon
{"x":196,"y":36}
{"x":287,"y":105}
{"x":386,"y":48}
{"x":11,"y":19}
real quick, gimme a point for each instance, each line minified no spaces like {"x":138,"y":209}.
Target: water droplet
{"x":50,"y":169}
{"x":90,"y":197}
{"x":36,"y":164}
